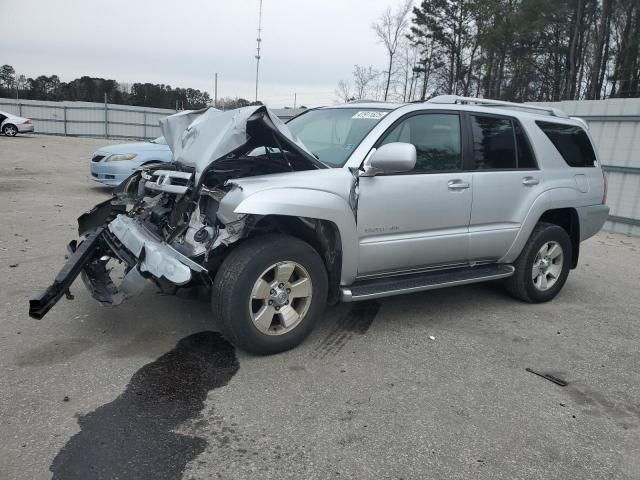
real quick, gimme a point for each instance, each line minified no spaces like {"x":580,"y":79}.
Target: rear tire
{"x":543,"y":265}
{"x":10,"y":130}
{"x":268,"y":293}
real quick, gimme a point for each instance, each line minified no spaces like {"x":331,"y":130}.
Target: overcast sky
{"x":307,"y":45}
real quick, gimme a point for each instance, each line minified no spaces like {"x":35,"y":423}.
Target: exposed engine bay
{"x":183,"y":214}
{"x":163,"y":222}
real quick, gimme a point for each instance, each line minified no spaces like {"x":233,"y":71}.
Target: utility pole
{"x":258,"y":40}
{"x":295,"y":99}
{"x":215,"y":92}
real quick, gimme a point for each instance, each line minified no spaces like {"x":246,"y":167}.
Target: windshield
{"x":333,"y":133}
{"x":159,"y":140}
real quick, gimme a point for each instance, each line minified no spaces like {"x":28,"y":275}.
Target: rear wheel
{"x":10,"y":130}
{"x":268,"y":293}
{"x":543,"y":266}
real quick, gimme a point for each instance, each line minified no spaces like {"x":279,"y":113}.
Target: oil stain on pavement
{"x":133,"y":436}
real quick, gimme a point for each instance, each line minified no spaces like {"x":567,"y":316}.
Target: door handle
{"x":529,"y":181}
{"x":458,"y":185}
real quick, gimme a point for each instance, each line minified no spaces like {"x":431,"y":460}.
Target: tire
{"x":539,"y":276}
{"x":240,"y":301}
{"x":10,"y":130}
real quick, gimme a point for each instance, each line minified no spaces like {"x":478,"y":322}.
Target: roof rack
{"x":452,"y":99}
{"x":365,"y":100}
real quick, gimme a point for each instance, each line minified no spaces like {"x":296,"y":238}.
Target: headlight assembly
{"x":119,"y":157}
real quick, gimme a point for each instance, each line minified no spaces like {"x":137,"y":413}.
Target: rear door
{"x":506,"y":181}
{"x":420,"y":218}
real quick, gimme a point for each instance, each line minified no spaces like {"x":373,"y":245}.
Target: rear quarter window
{"x":572,"y":142}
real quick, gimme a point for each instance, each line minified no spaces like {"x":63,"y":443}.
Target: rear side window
{"x":500,"y":144}
{"x":494,"y":145}
{"x":526,"y":159}
{"x":571,"y":142}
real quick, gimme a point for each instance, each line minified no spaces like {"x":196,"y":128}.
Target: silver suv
{"x":344,"y":203}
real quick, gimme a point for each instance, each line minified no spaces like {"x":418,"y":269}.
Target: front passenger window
{"x":436,"y":137}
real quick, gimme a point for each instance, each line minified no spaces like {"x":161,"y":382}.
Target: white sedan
{"x":11,"y":124}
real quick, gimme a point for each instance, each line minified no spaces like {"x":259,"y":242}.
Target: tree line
{"x":92,"y":89}
{"x":516,"y":50}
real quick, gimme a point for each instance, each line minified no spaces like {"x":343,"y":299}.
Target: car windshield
{"x":333,"y":133}
{"x":159,"y":140}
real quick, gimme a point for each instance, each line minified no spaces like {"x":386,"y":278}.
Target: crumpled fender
{"x":303,"y":202}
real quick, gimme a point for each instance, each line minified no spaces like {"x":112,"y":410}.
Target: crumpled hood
{"x":198,"y":138}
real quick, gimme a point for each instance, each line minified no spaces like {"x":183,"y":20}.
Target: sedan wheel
{"x":10,"y":130}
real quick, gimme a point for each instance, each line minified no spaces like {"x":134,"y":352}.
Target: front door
{"x":420,"y":218}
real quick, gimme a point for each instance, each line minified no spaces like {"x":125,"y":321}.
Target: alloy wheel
{"x":547,"y":266}
{"x":280,"y":298}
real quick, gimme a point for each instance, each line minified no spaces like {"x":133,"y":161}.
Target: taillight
{"x":27,"y":121}
{"x":606,"y":187}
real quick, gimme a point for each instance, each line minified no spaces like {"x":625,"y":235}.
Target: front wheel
{"x":10,"y":130}
{"x":543,"y":266}
{"x":269,"y":292}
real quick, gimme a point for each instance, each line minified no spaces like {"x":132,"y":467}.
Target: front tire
{"x":543,"y":265}
{"x":10,"y":130}
{"x":268,"y":293}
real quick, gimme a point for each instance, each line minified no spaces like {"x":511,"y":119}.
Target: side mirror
{"x":391,"y":158}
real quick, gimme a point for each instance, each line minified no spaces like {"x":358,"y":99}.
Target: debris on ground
{"x":13,"y":265}
{"x":551,"y":378}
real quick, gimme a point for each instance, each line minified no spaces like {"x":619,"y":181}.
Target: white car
{"x":11,"y":124}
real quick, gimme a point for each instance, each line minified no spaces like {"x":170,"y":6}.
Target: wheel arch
{"x":322,"y":219}
{"x":322,"y":235}
{"x":555,"y":206}
{"x":568,"y":219}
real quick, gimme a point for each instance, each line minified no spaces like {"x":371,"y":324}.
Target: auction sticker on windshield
{"x":370,"y":114}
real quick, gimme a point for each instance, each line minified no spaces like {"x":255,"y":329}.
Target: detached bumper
{"x":127,"y":241}
{"x":41,"y":304}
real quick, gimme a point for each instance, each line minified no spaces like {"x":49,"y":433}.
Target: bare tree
{"x":390,"y":29}
{"x":343,"y":92}
{"x":362,"y":78}
{"x":408,"y":57}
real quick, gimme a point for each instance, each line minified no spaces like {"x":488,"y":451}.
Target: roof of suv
{"x":451,"y":102}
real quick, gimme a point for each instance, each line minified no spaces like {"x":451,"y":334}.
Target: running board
{"x":399,"y":284}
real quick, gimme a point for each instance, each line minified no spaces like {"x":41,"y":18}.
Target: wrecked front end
{"x":163,"y":224}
